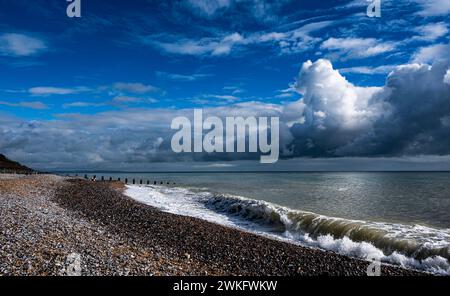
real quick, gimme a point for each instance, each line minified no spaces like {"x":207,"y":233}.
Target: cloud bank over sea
{"x":408,"y":116}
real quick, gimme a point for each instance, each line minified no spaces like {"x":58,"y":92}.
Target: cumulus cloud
{"x":334,"y":112}
{"x":20,"y":45}
{"x":402,"y":118}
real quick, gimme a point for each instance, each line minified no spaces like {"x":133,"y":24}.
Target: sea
{"x":400,"y":218}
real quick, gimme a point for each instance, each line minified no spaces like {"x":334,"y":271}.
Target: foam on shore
{"x":411,"y":246}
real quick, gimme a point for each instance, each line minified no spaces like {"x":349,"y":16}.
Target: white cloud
{"x":234,"y":89}
{"x":301,"y":39}
{"x":258,"y":10}
{"x":330,"y":99}
{"x":293,"y":113}
{"x":130,"y":100}
{"x":432,"y":31}
{"x":137,"y":88}
{"x":19,"y":45}
{"x":215,"y":165}
{"x":225,"y":97}
{"x":214,"y":99}
{"x":432,"y":53}
{"x":118,"y":101}
{"x":434,"y":7}
{"x":26,"y":104}
{"x":214,"y":46}
{"x":272,"y":36}
{"x":82,"y":104}
{"x":284,"y":95}
{"x":293,"y":41}
{"x":353,"y":48}
{"x":183,"y":77}
{"x":385,"y":69}
{"x":119,"y":88}
{"x":209,"y":7}
{"x":50,"y":90}
{"x":447,"y":77}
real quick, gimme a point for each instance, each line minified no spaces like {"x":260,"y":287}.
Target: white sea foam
{"x":411,"y":246}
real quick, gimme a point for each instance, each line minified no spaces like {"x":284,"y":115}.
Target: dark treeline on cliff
{"x":9,"y":165}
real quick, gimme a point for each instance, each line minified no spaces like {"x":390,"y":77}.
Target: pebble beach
{"x":47,"y":220}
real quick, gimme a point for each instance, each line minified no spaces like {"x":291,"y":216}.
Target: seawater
{"x":401,"y":218}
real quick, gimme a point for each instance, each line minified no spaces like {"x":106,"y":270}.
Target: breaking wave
{"x":411,"y":246}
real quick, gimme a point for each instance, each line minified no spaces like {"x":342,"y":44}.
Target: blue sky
{"x":174,"y":48}
{"x":122,"y":58}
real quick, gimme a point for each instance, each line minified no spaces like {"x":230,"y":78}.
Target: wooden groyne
{"x":21,"y":172}
{"x":133,"y":181}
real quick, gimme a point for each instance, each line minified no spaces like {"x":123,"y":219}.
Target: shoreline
{"x":115,"y":235}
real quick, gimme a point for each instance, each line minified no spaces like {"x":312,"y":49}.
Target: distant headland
{"x":10,"y":166}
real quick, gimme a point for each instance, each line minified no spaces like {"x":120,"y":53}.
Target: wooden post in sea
{"x":154,"y":182}
{"x":126,"y":180}
{"x":85,"y":176}
{"x":118,"y":179}
{"x":140,"y":182}
{"x":148,"y":182}
{"x":134,"y":181}
{"x":110,"y":179}
{"x":103,"y":179}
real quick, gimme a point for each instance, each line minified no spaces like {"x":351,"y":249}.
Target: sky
{"x":100,"y":91}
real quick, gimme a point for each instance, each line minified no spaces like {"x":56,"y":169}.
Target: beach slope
{"x":47,"y":220}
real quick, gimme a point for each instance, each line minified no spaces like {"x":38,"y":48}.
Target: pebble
{"x":45,"y":218}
